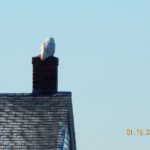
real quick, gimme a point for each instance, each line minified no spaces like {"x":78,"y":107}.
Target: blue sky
{"x":103,"y":49}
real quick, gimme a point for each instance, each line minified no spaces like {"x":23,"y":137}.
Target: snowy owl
{"x":47,"y":48}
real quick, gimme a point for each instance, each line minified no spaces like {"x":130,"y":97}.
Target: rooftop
{"x":36,"y":122}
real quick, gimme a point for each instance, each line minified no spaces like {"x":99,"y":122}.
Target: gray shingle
{"x":29,"y":122}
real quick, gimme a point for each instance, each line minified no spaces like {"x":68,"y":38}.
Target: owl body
{"x":47,"y":48}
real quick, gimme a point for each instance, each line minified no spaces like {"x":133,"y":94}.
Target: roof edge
{"x":58,"y":94}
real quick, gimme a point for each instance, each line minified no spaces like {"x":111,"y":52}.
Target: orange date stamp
{"x":138,"y":132}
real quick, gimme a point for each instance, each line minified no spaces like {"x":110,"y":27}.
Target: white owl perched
{"x":47,"y":48}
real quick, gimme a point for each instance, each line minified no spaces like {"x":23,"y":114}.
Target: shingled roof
{"x":29,"y":122}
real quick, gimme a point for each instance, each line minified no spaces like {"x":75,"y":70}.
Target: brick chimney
{"x":45,"y":75}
